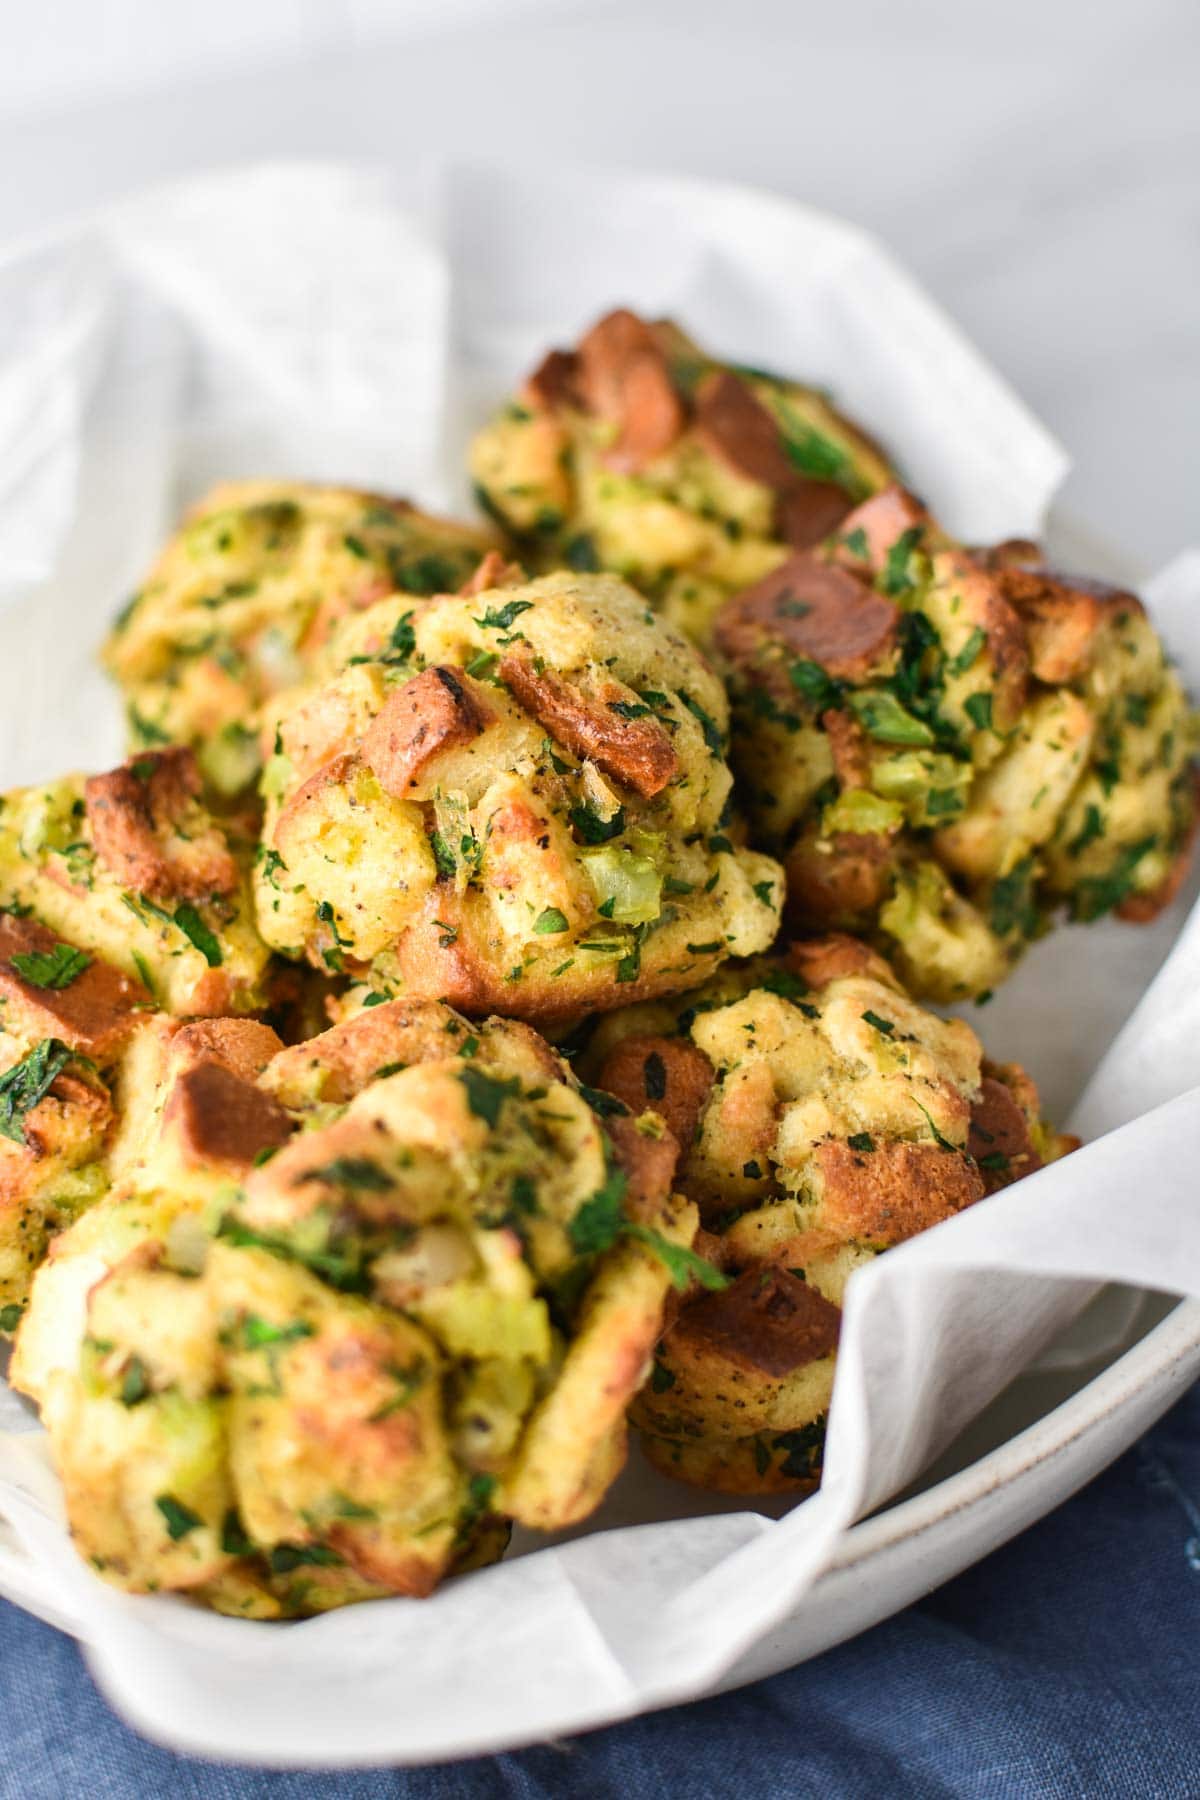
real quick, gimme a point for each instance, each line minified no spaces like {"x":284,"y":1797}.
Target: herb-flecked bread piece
{"x":131,"y":867}
{"x":355,"y":1305}
{"x":824,"y":1117}
{"x":948,"y":749}
{"x":639,"y":452}
{"x":515,"y":799}
{"x":69,"y":1025}
{"x":243,"y":596}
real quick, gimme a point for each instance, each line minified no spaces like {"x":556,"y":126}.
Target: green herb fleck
{"x":27,"y":1082}
{"x":681,"y":1264}
{"x":486,"y":1095}
{"x":178,"y":1518}
{"x":198,"y":933}
{"x":55,"y":968}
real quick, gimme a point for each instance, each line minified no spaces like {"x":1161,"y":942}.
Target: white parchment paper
{"x":342,"y":324}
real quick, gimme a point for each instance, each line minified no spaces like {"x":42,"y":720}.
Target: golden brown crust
{"x":983,"y":601}
{"x":835,"y":957}
{"x":133,"y":811}
{"x":494,"y":571}
{"x":813,"y":610}
{"x":809,"y":510}
{"x":351,"y":1054}
{"x":648,"y":1164}
{"x":623,"y":375}
{"x":1000,"y":1138}
{"x":554,"y":383}
{"x":438,"y":709}
{"x":839,"y":880}
{"x":767,"y":1321}
{"x":851,"y":748}
{"x":636,"y":752}
{"x":243,"y":1046}
{"x":85,"y":1104}
{"x":735,"y":426}
{"x":670,"y":1076}
{"x":1062,"y":621}
{"x":437,"y":961}
{"x":868,"y":533}
{"x":892,"y":1192}
{"x":218,"y":1117}
{"x":94,"y":1012}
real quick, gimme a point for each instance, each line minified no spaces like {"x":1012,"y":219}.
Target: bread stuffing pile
{"x":490,"y":1009}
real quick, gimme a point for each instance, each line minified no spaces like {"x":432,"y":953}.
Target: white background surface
{"x":1036,"y":163}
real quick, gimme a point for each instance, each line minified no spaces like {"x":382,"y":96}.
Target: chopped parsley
{"x":27,"y":1082}
{"x":486,"y":1095}
{"x":886,"y":1027}
{"x":712,"y":731}
{"x":978,"y":708}
{"x":942,"y":1142}
{"x":581,"y":553}
{"x":55,"y":968}
{"x":1101,"y":893}
{"x":681,"y":1264}
{"x":351,"y":1172}
{"x":286,"y":1557}
{"x":810,"y":679}
{"x":135,"y":1383}
{"x":960,"y":663}
{"x":502,"y":618}
{"x":654,"y":1076}
{"x":178,"y":1518}
{"x":595,"y":830}
{"x":862,"y":1140}
{"x":234,"y":1541}
{"x":597,"y":1223}
{"x":402,"y":644}
{"x":198,"y":933}
{"x":897,"y":576}
{"x":662,"y":1379}
{"x":258,"y":1333}
{"x":1012,"y":905}
{"x":1091,"y":829}
{"x":550,"y":922}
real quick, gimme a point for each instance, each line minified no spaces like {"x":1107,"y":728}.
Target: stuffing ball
{"x":354,"y":1306}
{"x":131,"y":867}
{"x":948,"y":748}
{"x":244,"y":594}
{"x":823,"y":1117}
{"x":514,"y":799}
{"x":125,"y":909}
{"x":637,"y":452}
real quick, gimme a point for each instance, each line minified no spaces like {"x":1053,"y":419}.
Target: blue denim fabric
{"x":1065,"y":1667}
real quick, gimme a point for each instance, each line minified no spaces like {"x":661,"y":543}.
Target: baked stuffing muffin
{"x":69,"y":1026}
{"x":131,"y":867}
{"x":243,"y":596}
{"x":514,"y":799}
{"x":948,"y":749}
{"x":824,"y":1117}
{"x":355,"y":1304}
{"x":640,"y":453}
